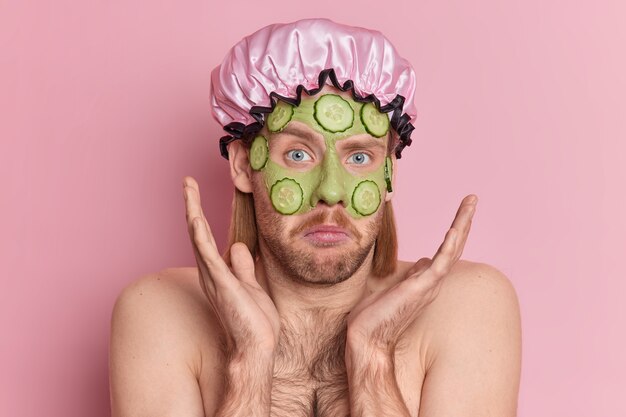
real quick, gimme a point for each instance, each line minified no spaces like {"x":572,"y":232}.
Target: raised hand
{"x":378,"y":320}
{"x":245,"y":311}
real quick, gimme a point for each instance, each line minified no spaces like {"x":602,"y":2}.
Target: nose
{"x":331,"y":188}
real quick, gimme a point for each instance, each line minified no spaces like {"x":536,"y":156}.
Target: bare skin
{"x":166,"y":359}
{"x":440,"y":336}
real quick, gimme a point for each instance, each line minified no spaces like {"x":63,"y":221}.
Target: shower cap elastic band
{"x":280,"y":61}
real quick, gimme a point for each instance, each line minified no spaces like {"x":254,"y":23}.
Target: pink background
{"x":104,"y":109}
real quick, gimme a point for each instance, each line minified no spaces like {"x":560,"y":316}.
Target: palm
{"x":372,"y":311}
{"x":380,"y":318}
{"x":265,"y":314}
{"x":244,"y":310}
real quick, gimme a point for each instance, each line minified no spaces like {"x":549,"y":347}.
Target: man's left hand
{"x":376,"y":323}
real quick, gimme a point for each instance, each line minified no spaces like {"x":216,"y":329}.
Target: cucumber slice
{"x":286,"y":196}
{"x":280,"y":116}
{"x":388,"y":173}
{"x":375,"y":122}
{"x":259,"y":152}
{"x":366,"y":198}
{"x":333,"y":113}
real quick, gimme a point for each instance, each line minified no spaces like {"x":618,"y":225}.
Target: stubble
{"x":317,"y":265}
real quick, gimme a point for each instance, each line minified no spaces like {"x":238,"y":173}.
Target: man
{"x":309,"y":312}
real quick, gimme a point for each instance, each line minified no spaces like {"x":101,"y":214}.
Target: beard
{"x":315,"y":265}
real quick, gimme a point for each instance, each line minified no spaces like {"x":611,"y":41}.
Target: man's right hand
{"x":245,"y":311}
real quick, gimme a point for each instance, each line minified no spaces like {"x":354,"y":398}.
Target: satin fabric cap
{"x":279,"y":57}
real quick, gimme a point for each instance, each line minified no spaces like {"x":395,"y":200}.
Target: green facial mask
{"x":336,"y":118}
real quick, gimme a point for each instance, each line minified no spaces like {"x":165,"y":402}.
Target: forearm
{"x":248,"y":387}
{"x":373,"y":388}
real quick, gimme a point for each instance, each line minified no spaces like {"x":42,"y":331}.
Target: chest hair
{"x":310,"y":377}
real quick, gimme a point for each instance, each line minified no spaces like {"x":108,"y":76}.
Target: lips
{"x":326,"y":234}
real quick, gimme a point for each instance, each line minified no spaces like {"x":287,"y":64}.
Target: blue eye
{"x":298,"y":155}
{"x":359,"y":158}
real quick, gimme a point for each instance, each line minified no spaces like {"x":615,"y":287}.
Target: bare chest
{"x":321,"y":389}
{"x":306,"y":395}
{"x":310,"y":378}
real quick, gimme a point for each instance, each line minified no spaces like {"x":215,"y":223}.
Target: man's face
{"x":320,"y":184}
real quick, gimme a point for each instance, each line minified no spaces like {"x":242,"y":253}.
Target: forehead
{"x":303,"y":124}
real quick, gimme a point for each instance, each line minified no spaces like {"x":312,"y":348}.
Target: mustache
{"x":337,"y":217}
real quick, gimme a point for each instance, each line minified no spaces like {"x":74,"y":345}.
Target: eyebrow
{"x":297,"y":131}
{"x":367,"y":142}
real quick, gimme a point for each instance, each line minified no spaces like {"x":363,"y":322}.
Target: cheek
{"x":262,"y":203}
{"x":269,"y":221}
{"x":287,"y":191}
{"x":366,"y":193}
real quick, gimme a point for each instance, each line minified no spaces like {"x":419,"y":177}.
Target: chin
{"x":323,"y":264}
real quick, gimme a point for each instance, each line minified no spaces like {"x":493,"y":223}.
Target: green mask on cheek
{"x":295,"y":191}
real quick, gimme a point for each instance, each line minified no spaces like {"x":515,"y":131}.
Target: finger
{"x":206,"y":281}
{"x":419,"y":267}
{"x":242,"y":263}
{"x":191,"y":200}
{"x":209,"y":256}
{"x":192,"y":212}
{"x":461,"y":221}
{"x":443,"y":259}
{"x":207,"y":284}
{"x":205,"y":277}
{"x":468,"y":204}
{"x":194,"y":208}
{"x":465,"y":224}
{"x":461,"y":245}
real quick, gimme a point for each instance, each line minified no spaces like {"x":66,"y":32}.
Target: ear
{"x":394,"y":174}
{"x":240,"y":169}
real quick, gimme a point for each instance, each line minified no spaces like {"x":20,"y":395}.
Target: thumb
{"x":242,"y":263}
{"x":420,"y":266}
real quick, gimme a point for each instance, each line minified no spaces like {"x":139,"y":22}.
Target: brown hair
{"x":243,"y":229}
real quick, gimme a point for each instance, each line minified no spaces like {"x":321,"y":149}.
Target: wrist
{"x":237,"y":350}
{"x":362,"y":365}
{"x":373,"y":389}
{"x":360,"y":356}
{"x":251,"y":356}
{"x":249,"y":375}
{"x":259,"y":370}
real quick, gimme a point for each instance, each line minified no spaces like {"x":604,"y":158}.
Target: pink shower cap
{"x":281,"y":60}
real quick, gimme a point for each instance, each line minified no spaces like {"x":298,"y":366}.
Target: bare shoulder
{"x":161,"y":328}
{"x":473,"y":343}
{"x":169,"y":302}
{"x":475,"y":286}
{"x":472,"y":295}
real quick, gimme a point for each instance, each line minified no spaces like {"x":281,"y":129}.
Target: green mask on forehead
{"x":336,"y":118}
